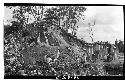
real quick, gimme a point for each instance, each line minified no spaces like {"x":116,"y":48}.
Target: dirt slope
{"x":56,"y":45}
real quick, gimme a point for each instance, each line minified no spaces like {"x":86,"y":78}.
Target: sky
{"x":109,"y":24}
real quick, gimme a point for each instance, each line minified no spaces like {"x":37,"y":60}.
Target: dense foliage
{"x":44,"y":47}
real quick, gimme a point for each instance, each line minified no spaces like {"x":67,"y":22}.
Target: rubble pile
{"x":48,"y":53}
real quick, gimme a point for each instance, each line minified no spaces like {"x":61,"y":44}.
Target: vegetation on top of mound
{"x":45,"y":47}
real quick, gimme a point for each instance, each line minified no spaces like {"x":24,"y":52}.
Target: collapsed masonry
{"x":53,"y":45}
{"x":58,"y":47}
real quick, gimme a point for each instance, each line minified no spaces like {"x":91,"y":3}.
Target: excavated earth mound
{"x":47,"y":53}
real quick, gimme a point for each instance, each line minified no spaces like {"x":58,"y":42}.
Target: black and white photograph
{"x":44,"y":41}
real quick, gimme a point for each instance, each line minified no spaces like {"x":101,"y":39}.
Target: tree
{"x":64,"y":16}
{"x":121,"y":46}
{"x":71,"y":16}
{"x":91,"y":25}
{"x":22,"y":13}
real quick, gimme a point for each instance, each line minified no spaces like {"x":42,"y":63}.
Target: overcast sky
{"x":109,"y":23}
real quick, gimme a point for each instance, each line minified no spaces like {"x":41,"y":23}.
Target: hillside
{"x":46,"y":53}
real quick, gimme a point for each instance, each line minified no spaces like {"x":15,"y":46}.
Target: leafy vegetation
{"x":44,"y":47}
